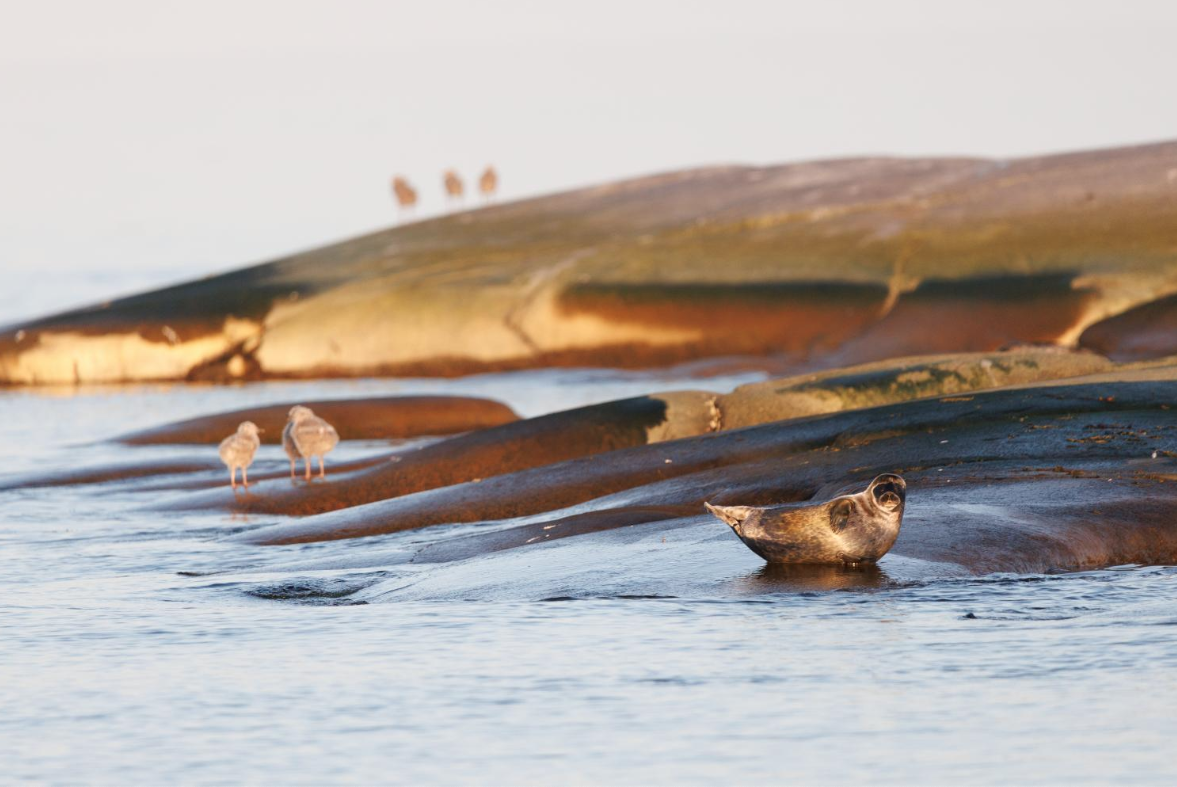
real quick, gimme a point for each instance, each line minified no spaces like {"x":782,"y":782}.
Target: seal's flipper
{"x":733,"y":515}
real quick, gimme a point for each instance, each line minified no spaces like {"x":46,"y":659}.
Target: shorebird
{"x":454,"y":191}
{"x":406,"y":195}
{"x":288,"y":442}
{"x":488,"y":184}
{"x":307,"y":435}
{"x":237,"y":450}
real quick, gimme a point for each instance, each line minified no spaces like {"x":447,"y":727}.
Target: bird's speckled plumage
{"x":238,"y":449}
{"x":308,"y":436}
{"x":289,"y":447}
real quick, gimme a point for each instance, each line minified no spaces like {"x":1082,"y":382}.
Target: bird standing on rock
{"x":488,"y":184}
{"x":288,"y":443}
{"x":237,"y":450}
{"x":307,"y":435}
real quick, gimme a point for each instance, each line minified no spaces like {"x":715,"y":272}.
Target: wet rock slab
{"x":1046,"y":471}
{"x":656,"y":418}
{"x":1049,"y":478}
{"x":848,"y":261}
{"x":405,"y":421}
{"x":354,"y":419}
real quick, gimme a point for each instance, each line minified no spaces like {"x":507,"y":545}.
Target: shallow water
{"x":118,"y":669}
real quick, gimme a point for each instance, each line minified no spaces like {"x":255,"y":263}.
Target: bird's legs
{"x":233,"y":477}
{"x":245,"y":477}
{"x":306,"y":460}
{"x":322,"y":474}
{"x":291,"y":469}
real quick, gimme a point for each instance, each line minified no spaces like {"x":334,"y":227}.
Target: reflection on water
{"x":777,"y":578}
{"x":117,"y":669}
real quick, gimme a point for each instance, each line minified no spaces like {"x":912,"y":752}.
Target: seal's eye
{"x":840,"y":514}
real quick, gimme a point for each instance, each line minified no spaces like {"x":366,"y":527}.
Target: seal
{"x":849,"y":529}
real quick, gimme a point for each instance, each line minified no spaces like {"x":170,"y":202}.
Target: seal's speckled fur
{"x":848,"y":529}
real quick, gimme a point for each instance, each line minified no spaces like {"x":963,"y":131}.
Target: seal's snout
{"x":889,"y":490}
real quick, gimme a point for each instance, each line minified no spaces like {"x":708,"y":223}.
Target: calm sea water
{"x":117,"y":669}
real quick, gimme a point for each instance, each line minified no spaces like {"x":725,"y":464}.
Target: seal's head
{"x":299,"y":413}
{"x":856,"y":528}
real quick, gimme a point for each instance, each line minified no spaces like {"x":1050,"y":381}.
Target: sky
{"x":146,"y":141}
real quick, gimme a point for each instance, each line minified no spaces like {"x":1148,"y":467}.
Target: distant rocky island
{"x":819,"y":264}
